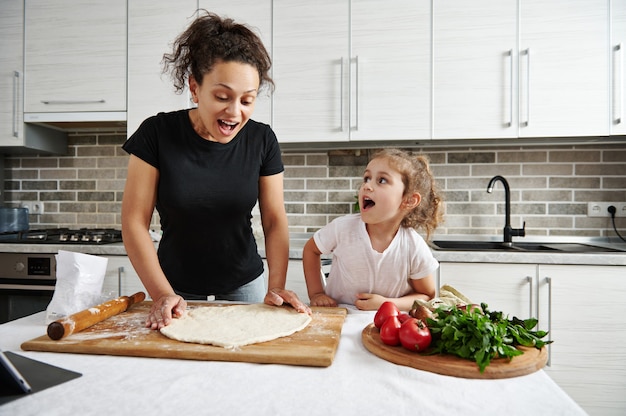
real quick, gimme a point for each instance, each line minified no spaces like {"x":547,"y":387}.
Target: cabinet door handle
{"x":120,"y":271}
{"x":57,"y":102}
{"x":549,"y":282}
{"x":618,"y":88}
{"x":341,"y":95}
{"x":16,"y":102}
{"x":356,"y":86}
{"x":527,"y":122}
{"x":510,"y":59}
{"x":529,"y":279}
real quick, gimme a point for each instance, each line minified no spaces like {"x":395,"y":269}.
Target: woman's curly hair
{"x":211,"y":39}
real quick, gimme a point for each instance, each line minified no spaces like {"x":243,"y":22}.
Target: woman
{"x":204,"y":169}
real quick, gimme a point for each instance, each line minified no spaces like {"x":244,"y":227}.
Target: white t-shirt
{"x":358,"y":268}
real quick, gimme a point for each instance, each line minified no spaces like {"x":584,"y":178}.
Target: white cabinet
{"x":503,"y":287}
{"x":586,"y":319}
{"x":311,"y":60}
{"x":257,"y":15}
{"x":475,"y":76}
{"x":15,"y":136}
{"x":580,"y":306}
{"x":351,"y":70}
{"x":618,"y":70}
{"x":152,"y":28}
{"x":75,"y":61}
{"x":563,"y":69}
{"x":121,"y":279}
{"x":295,"y":280}
{"x":539,"y":75}
{"x":390,"y":81}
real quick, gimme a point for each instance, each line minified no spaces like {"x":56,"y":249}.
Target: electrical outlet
{"x":34,"y":207}
{"x":601,"y":209}
{"x":38,"y":207}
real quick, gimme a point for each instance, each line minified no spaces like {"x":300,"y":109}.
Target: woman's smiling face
{"x":226,"y":100}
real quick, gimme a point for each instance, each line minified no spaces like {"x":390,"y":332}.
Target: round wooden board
{"x":532,"y":360}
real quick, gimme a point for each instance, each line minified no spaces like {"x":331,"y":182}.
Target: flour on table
{"x":236,"y":325}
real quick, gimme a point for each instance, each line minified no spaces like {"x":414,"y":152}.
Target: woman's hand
{"x":322,"y":299}
{"x":164,"y":309}
{"x":277,"y":297}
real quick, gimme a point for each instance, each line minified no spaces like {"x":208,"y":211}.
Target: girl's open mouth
{"x":368,"y":203}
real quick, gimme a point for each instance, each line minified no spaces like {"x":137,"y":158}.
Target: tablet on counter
{"x":11,"y":379}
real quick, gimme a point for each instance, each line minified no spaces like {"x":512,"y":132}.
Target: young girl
{"x":378,"y":255}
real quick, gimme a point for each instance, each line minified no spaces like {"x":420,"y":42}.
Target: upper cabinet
{"x":520,"y":68}
{"x":311,"y":60}
{"x":152,"y":28}
{"x":351,"y":70}
{"x":475,"y":69}
{"x":563,"y":72}
{"x":391,"y":74}
{"x":75,"y":60}
{"x":618,"y":70}
{"x":15,"y":136}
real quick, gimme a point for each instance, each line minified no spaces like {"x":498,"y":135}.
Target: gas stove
{"x":88,"y":236}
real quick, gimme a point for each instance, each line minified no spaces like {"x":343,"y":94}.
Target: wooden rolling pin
{"x":84,"y":319}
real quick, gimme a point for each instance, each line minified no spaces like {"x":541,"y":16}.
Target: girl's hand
{"x":164,"y":309}
{"x":369,"y":301}
{"x":277,"y":297}
{"x":321,"y":299}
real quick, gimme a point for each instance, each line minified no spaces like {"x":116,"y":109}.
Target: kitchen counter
{"x":113,"y":249}
{"x":357,"y":383}
{"x":298,"y":240}
{"x":597,"y":258}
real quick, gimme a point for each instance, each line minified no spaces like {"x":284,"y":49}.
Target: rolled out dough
{"x":236,"y":325}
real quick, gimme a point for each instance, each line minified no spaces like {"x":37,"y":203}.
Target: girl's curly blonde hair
{"x":417,"y":177}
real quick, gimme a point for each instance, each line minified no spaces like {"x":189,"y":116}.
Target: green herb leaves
{"x":481,"y":335}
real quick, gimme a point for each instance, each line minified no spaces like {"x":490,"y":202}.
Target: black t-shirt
{"x":206,"y":193}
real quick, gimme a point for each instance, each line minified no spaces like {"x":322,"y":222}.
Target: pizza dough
{"x":236,"y":325}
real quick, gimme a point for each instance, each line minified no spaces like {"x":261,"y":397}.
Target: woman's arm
{"x":276,"y":230}
{"x":137,"y":209}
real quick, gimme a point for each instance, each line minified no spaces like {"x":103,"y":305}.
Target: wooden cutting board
{"x":532,"y":360}
{"x":125,"y":334}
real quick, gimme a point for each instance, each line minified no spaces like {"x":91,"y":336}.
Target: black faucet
{"x":509,"y":232}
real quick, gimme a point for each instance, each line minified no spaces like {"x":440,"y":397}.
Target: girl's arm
{"x":313,"y":276}
{"x":424,"y":289}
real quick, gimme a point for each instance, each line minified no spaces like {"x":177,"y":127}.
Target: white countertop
{"x":297,"y":242}
{"x":114,"y":249}
{"x":596,"y":258}
{"x":357,"y":383}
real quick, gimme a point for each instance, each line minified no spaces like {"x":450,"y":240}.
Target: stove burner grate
{"x":88,"y":236}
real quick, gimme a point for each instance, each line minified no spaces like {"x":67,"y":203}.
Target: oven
{"x":26,"y":284}
{"x":28,"y":277}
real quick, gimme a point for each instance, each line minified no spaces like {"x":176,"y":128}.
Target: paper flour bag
{"x":79,"y":284}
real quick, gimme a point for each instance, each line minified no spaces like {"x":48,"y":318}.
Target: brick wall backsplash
{"x":550,"y":186}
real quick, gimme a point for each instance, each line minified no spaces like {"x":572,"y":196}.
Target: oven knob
{"x":19,"y":266}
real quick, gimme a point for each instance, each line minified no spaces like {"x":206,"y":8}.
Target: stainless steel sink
{"x":458,"y":245}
